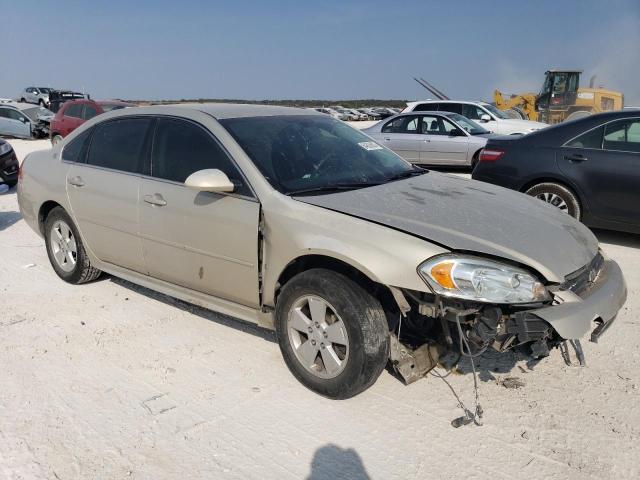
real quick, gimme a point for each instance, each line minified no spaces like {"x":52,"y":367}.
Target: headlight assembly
{"x":482,"y":280}
{"x":5,"y":148}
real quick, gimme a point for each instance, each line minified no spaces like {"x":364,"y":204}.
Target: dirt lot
{"x":109,"y":380}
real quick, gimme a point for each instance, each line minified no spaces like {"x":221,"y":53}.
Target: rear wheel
{"x":65,"y":249}
{"x":557,"y":195}
{"x":333,"y":334}
{"x":22,"y":100}
{"x":41,"y":102}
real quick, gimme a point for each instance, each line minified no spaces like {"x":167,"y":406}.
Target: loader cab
{"x":559,"y":90}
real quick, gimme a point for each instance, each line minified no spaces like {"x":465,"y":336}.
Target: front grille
{"x":580,"y":281}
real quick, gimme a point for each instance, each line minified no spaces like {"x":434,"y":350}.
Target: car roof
{"x":236,"y":110}
{"x":471,"y":102}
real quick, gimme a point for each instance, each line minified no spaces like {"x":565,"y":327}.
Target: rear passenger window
{"x":427,"y":107}
{"x":182,"y":148}
{"x":591,"y":139}
{"x":76,"y":150}
{"x":74,"y":111}
{"x":451,"y":107}
{"x":120,"y":145}
{"x":407,"y":124}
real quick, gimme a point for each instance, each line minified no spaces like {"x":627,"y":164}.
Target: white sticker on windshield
{"x":370,"y":146}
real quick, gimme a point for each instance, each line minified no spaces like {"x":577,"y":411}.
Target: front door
{"x":104,"y":189}
{"x":204,"y":241}
{"x":441,"y":147}
{"x":14,"y":124}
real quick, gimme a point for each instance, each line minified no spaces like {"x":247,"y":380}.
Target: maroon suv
{"x":74,"y":113}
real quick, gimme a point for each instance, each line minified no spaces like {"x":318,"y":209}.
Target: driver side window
{"x":182,"y":148}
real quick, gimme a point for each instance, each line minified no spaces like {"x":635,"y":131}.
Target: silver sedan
{"x":432,"y":138}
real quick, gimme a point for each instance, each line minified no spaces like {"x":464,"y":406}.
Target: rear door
{"x":104,"y":189}
{"x":605,"y":164}
{"x":402,"y":135}
{"x":203,"y":241}
{"x":440,"y":147}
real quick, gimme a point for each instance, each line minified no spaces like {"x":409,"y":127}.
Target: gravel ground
{"x":109,"y":380}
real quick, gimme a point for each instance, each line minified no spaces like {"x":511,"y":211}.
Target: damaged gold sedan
{"x":297,"y":222}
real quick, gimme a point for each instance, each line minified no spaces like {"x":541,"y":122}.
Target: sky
{"x":307,"y":49}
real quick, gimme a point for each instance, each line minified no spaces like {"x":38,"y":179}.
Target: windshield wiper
{"x":337,"y":187}
{"x":409,"y":173}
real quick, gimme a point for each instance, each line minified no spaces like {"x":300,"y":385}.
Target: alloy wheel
{"x":318,"y":336}
{"x":554,"y":200}
{"x":63,"y":246}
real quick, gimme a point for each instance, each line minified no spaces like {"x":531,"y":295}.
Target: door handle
{"x":155,"y":199}
{"x":426,"y":140}
{"x":387,"y":139}
{"x":76,"y":182}
{"x":575,"y":158}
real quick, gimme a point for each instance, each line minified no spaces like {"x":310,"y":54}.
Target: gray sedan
{"x":432,"y":138}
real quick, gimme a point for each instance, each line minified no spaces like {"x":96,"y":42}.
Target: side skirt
{"x":219,"y":305}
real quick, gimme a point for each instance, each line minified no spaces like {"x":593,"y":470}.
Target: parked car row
{"x":353,"y":114}
{"x":293,"y":220}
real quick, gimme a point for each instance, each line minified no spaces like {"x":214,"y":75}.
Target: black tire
{"x":475,"y":159}
{"x":365,"y":323}
{"x":22,"y":100}
{"x":82,"y":272}
{"x":41,"y":102}
{"x":11,"y":183}
{"x":550,"y":192}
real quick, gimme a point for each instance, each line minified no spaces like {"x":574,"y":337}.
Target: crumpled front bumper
{"x":573,"y":316}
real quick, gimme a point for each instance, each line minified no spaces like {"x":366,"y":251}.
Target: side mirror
{"x":210,"y":180}
{"x":456,"y":132}
{"x":485,"y":117}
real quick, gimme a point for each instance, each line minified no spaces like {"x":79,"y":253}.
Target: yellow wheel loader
{"x":561,"y":98}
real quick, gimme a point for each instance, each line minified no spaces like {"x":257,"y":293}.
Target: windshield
{"x":300,"y":152}
{"x":470,"y":126}
{"x":33,"y":113}
{"x":496,"y":112}
{"x":44,"y":89}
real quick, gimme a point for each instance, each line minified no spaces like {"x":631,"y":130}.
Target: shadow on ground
{"x":622,"y":239}
{"x":199,"y":311}
{"x":332,"y":462}
{"x":8,"y":218}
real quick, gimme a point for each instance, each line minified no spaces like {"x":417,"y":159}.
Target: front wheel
{"x":557,"y":195}
{"x":333,"y":334}
{"x":65,"y":249}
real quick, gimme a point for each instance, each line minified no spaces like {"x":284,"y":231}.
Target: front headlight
{"x":481,"y":280}
{"x":5,"y":148}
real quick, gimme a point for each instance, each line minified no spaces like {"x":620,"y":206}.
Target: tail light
{"x":491,"y":155}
